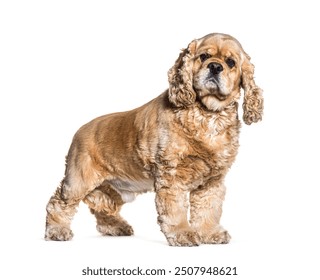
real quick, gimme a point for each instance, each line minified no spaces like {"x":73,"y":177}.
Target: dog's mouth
{"x":213,"y":85}
{"x":220,"y":97}
{"x":207,"y":85}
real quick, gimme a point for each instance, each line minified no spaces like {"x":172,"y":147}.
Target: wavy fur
{"x":180,"y":145}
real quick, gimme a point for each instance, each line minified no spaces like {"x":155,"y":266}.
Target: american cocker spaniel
{"x":180,"y":145}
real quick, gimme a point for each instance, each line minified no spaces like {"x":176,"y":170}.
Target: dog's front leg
{"x":172,"y":206}
{"x":205,"y":212}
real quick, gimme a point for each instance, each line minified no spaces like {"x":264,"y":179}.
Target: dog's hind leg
{"x":105,"y":203}
{"x":59,"y":216}
{"x":80,"y":179}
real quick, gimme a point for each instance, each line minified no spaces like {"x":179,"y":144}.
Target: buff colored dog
{"x":180,"y":145}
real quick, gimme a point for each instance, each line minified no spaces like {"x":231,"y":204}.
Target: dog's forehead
{"x":219,"y":43}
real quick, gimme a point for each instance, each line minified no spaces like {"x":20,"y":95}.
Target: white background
{"x":63,"y":63}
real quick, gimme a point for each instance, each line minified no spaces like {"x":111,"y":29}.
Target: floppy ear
{"x":253,"y":99}
{"x":181,"y":92}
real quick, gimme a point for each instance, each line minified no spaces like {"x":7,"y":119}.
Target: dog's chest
{"x":218,"y":138}
{"x":210,"y":137}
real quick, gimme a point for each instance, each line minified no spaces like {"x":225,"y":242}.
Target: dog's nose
{"x":215,"y":68}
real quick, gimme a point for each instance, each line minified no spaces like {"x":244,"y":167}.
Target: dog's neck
{"x":196,"y":119}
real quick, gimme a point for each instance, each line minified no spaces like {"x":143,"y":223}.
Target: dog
{"x":180,"y":145}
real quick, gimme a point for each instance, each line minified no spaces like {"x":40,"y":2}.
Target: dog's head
{"x":212,"y":70}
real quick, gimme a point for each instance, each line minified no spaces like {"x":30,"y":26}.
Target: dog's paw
{"x":120,"y":230}
{"x":220,"y":237}
{"x":58,"y":233}
{"x":184,"y":238}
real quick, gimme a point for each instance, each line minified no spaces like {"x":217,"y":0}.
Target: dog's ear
{"x":253,"y":99}
{"x":180,"y":77}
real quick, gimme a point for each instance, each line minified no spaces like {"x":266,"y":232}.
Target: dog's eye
{"x":230,"y":62}
{"x":204,"y":56}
